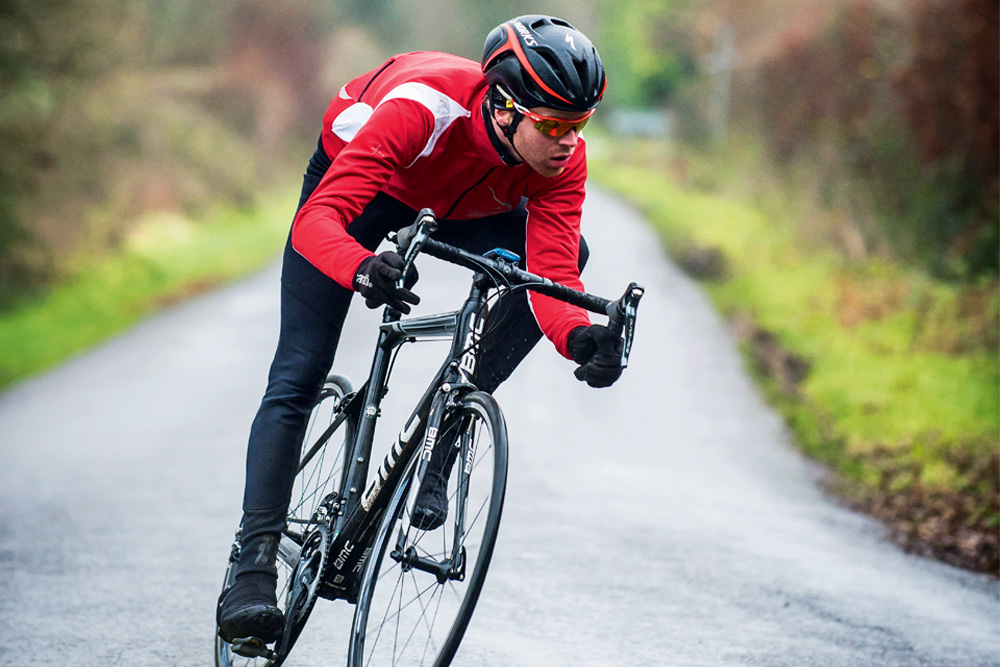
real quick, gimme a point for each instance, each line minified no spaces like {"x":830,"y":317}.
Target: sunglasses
{"x":548,"y":125}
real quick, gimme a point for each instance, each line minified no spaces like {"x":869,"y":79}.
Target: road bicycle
{"x":350,"y":534}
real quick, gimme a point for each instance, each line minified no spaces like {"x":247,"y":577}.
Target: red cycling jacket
{"x":413,"y":130}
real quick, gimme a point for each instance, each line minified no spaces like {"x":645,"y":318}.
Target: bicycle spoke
{"x":397,"y":594}
{"x":430,"y":635}
{"x":385,"y":618}
{"x":418,"y":597}
{"x":319,"y":483}
{"x":475,"y":519}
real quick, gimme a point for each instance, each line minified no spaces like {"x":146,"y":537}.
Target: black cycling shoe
{"x":431,"y":506}
{"x":250,"y":609}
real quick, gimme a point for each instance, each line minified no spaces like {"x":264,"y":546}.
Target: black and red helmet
{"x":543,"y":61}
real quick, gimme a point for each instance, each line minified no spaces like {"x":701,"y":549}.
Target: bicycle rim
{"x":407,"y":616}
{"x":315,"y":482}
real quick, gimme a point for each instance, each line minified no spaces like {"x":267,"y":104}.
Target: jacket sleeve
{"x":392,"y":136}
{"x":553,"y":250}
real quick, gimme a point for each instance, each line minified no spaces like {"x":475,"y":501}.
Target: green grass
{"x":878,"y":381}
{"x":167,"y":258}
{"x":902,"y":392}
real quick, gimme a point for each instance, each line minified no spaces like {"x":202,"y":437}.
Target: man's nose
{"x":569,"y":139}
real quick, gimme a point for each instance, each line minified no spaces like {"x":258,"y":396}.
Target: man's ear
{"x":504,"y":117}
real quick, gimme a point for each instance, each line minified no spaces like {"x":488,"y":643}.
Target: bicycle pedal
{"x":252,"y":647}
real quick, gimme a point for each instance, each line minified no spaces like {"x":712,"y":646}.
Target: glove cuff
{"x":362,"y":275}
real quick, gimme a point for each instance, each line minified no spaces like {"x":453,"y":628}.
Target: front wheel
{"x":420,"y":587}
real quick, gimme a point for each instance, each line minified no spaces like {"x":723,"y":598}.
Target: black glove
{"x":599,"y":353}
{"x":376,"y":281}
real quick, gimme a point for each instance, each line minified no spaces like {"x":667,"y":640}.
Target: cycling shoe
{"x":250,"y":609}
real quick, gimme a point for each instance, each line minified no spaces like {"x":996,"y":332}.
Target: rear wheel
{"x":420,"y":587}
{"x":302,"y":550}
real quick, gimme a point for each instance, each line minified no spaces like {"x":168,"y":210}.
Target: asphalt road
{"x":665,"y":521}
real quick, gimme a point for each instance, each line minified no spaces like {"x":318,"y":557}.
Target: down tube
{"x":352,"y":544}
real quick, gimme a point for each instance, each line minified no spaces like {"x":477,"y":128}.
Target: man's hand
{"x":376,"y":281}
{"x":599,"y":353}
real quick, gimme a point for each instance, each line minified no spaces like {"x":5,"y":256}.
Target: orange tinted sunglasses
{"x":553,"y":127}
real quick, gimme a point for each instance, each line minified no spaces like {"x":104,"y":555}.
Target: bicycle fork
{"x":453,"y":566}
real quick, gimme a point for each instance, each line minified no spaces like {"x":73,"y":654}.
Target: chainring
{"x":305,"y":579}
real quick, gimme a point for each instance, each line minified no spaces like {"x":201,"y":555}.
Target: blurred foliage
{"x":45,"y":66}
{"x":894,"y":111}
{"x":113,"y":108}
{"x":648,"y":50}
{"x":887,"y":111}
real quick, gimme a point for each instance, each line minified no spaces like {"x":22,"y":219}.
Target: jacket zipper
{"x":467,"y":190}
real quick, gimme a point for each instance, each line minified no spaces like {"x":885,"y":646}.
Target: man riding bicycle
{"x":495,"y":150}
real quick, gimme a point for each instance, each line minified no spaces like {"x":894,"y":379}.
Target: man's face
{"x":546,"y":155}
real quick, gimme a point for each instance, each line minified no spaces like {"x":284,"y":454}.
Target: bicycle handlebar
{"x":621,"y":314}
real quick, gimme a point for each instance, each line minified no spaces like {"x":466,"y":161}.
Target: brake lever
{"x":410,"y":240}
{"x":621,"y":318}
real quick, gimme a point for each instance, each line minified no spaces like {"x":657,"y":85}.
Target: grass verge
{"x":166,"y":258}
{"x":886,"y":375}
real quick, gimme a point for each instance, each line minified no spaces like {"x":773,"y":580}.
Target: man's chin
{"x":548,"y":171}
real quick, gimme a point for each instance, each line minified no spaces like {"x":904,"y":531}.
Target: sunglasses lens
{"x":557,"y":128}
{"x":578,"y":125}
{"x":549,"y":127}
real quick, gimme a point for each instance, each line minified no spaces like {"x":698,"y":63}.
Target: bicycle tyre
{"x":313,"y":484}
{"x":385,"y":604}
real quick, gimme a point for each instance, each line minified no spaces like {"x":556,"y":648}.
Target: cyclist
{"x":495,"y":149}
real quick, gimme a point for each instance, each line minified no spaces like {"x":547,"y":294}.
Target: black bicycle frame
{"x":359,"y":507}
{"x":362,"y":506}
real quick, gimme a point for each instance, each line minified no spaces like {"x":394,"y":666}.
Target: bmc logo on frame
{"x":432,"y":434}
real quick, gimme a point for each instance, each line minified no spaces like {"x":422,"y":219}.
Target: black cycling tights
{"x":313,"y":309}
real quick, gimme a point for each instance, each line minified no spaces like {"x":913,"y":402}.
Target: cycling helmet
{"x":543,"y":61}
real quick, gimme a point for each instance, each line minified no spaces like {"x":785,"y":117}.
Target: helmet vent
{"x":550,"y":58}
